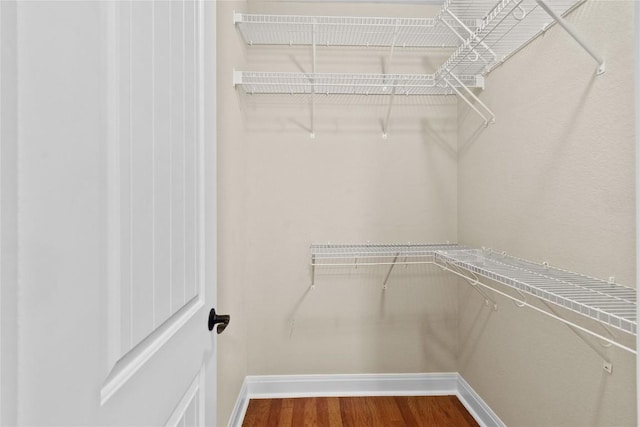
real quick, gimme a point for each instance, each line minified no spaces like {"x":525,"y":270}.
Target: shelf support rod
{"x":493,"y":116}
{"x":393,"y":264}
{"x":313,"y":48}
{"x":579,"y":334}
{"x":312,"y":135}
{"x":387,"y":68}
{"x":385,"y":127}
{"x":573,"y":33}
{"x":313,"y":271}
{"x":473,"y":107}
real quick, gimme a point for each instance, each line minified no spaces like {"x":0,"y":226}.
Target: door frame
{"x":637,"y":233}
{"x":8,"y":213}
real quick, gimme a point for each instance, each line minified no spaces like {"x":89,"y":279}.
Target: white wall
{"x":552,"y":180}
{"x":280,"y":192}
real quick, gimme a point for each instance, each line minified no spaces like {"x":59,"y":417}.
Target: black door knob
{"x":222,"y":320}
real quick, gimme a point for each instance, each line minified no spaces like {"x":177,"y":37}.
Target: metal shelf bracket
{"x":393,"y":264}
{"x":573,"y":33}
{"x":487,"y":120}
{"x":312,"y":134}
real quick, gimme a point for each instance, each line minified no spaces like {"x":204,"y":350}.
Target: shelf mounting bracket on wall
{"x":385,"y":126}
{"x":573,"y":33}
{"x":387,"y":67}
{"x":606,"y":361}
{"x":387,"y":71}
{"x":393,"y":264}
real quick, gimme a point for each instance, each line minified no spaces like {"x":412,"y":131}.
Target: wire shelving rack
{"x":608,"y":303}
{"x":484,"y":33}
{"x":376,"y":254}
{"x":349,"y":30}
{"x":506,"y":27}
{"x":347,"y":84}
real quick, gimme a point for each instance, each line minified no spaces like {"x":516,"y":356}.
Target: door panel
{"x":158,"y":177}
{"x":190,"y":411}
{"x":8,"y":215}
{"x":112,"y":225}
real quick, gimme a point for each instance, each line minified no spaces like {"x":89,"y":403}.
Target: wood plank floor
{"x":383,"y":411}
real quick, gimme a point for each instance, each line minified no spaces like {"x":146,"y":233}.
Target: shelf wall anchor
{"x":573,"y":33}
{"x":393,"y":264}
{"x":385,"y":127}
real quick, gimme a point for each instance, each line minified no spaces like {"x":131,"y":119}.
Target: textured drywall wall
{"x":552,"y":180}
{"x":280,"y":191}
{"x":232,"y":345}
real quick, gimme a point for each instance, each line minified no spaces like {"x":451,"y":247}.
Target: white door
{"x":115,"y":212}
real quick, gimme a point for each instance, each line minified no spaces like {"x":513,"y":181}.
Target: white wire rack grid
{"x":376,"y":254}
{"x":350,"y":30}
{"x":506,"y":26}
{"x":609,"y":303}
{"x":347,"y":83}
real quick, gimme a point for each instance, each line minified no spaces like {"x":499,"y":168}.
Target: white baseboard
{"x":476,"y":406}
{"x":429,"y":384}
{"x":240,"y":408}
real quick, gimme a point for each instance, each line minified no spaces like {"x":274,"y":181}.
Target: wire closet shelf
{"x":376,"y":254}
{"x":291,"y":30}
{"x":483,"y":34}
{"x":608,"y":303}
{"x":505,"y":27}
{"x":346,"y":84}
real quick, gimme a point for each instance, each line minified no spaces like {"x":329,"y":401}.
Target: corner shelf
{"x":484,"y":33}
{"x":375,"y":254}
{"x":610,"y":304}
{"x":506,"y":27}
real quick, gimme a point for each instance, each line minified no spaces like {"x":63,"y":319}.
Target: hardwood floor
{"x":383,"y":411}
